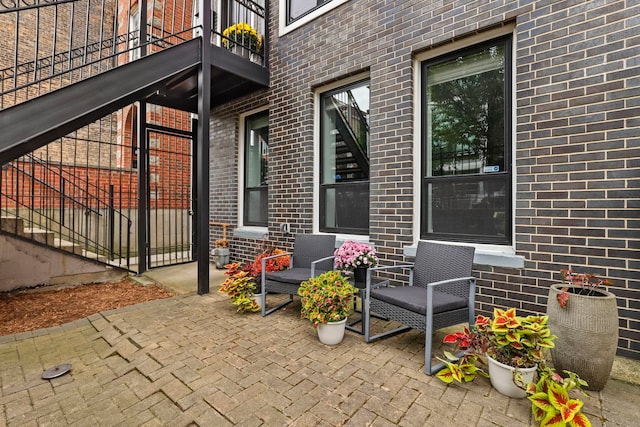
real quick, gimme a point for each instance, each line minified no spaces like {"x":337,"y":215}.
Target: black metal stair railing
{"x":50,"y":204}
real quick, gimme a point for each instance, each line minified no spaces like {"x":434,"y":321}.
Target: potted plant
{"x":584,"y":316}
{"x":512,"y":346}
{"x":242,"y":38}
{"x":551,"y":403}
{"x":243,"y":283}
{"x":326,"y":301}
{"x":356,"y":257}
{"x":240,"y":286}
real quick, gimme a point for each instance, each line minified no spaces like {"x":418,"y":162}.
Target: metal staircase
{"x":66,"y":65}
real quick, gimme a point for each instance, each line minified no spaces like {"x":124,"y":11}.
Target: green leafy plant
{"x":241,"y":34}
{"x":550,"y":401}
{"x":586,"y":283}
{"x":244,"y":279}
{"x":240,"y":286}
{"x":518,"y":342}
{"x":510,"y":339}
{"x":326,"y":298}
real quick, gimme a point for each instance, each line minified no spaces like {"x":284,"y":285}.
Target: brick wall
{"x":576,"y":107}
{"x":223,"y":152}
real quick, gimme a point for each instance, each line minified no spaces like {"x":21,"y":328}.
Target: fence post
{"x":111,"y":224}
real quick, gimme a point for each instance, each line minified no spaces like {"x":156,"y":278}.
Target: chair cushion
{"x":295,"y":275}
{"x":414,"y":298}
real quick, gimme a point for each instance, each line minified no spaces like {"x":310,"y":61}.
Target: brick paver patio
{"x":191,"y":360}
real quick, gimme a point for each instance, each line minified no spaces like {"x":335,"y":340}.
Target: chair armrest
{"x":371,"y":270}
{"x":263,"y":261}
{"x":472,"y":288}
{"x":390,"y":267}
{"x":314,"y":263}
{"x":446,"y":282}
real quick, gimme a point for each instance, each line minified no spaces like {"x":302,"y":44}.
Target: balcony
{"x":66,"y":63}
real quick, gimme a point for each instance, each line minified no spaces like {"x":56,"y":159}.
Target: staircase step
{"x":40,"y":236}
{"x":12,"y":224}
{"x":94,"y":256}
{"x":67,"y":246}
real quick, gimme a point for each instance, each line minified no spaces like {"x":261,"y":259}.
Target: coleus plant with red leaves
{"x":586,"y":282}
{"x":510,"y":339}
{"x":551,"y":404}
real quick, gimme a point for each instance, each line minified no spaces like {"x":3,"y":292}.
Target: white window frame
{"x":486,"y":254}
{"x":317,"y":151}
{"x":284,"y":28}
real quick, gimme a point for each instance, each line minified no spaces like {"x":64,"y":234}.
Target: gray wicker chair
{"x":312,"y":255}
{"x":440,"y":292}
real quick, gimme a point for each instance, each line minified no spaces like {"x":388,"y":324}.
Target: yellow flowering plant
{"x":242,"y":34}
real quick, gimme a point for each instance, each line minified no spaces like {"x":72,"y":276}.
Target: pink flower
{"x":352,"y":255}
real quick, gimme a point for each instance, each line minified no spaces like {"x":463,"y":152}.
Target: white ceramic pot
{"x":331,"y":333}
{"x":502,"y":378}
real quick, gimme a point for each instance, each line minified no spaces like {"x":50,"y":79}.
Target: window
{"x":296,"y":9}
{"x":344,"y":160}
{"x":256,"y":157}
{"x":133,"y":33}
{"x":294,"y":14}
{"x":466,"y":145}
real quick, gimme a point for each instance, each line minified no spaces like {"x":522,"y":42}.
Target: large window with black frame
{"x":466,"y":145}
{"x":256,"y":158}
{"x":344,"y":160}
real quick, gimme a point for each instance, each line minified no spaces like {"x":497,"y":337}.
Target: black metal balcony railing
{"x":49,"y":44}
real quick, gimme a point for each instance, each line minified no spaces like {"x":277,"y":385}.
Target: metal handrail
{"x":48,"y":205}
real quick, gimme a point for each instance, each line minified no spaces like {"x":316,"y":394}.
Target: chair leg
{"x":366,"y":324}
{"x":428,"y":350}
{"x":266,"y":312}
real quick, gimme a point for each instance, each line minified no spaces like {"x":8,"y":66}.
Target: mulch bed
{"x":28,"y":310}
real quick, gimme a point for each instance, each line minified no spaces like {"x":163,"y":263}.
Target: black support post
{"x":142,"y":186}
{"x":202,"y":149}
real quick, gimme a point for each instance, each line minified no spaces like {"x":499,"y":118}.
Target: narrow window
{"x":466,"y":145}
{"x":256,"y":151}
{"x":344,"y":159}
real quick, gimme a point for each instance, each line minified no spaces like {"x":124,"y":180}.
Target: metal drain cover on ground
{"x":56,"y":371}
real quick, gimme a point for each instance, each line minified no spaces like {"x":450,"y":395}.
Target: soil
{"x":22,"y":311}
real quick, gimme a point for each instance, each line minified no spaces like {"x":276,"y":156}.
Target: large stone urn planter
{"x":587,"y":331}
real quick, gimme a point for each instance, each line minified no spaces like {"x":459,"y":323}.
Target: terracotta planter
{"x":502,"y":378}
{"x":587,"y":331}
{"x":331,"y":333}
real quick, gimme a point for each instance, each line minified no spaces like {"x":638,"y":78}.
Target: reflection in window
{"x":466,"y":178}
{"x":256,"y":150}
{"x":298,"y":8}
{"x":344,"y":177}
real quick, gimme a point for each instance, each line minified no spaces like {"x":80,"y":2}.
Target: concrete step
{"x":12,"y":224}
{"x":67,"y":246}
{"x":40,"y":236}
{"x":94,"y":256}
